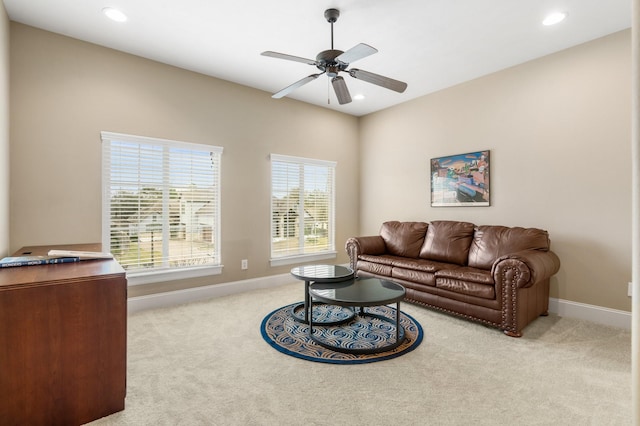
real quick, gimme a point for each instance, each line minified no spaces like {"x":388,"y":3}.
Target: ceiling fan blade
{"x":289,"y":57}
{"x":379,"y":80}
{"x":294,"y":86}
{"x":342,"y":92}
{"x":357,"y":52}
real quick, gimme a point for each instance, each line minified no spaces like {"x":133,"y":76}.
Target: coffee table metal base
{"x":320,"y":274}
{"x":399,"y":338}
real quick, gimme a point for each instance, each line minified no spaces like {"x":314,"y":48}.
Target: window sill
{"x":303,"y":258}
{"x":138,"y":278}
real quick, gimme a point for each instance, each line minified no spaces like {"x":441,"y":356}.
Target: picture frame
{"x":461,"y":180}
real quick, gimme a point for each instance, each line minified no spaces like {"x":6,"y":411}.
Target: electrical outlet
{"x":244,"y":264}
{"x":630,"y":290}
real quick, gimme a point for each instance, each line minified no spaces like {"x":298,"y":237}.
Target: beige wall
{"x":559,"y":132}
{"x":64,"y":92}
{"x":558,"y":129}
{"x":4,"y":132}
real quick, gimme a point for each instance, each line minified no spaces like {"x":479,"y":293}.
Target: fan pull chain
{"x":328,"y":93}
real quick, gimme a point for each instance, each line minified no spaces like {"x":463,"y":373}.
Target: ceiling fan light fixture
{"x":358,"y":97}
{"x":114,"y":14}
{"x":554,"y":18}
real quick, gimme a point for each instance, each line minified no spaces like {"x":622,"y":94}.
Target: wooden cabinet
{"x":63,"y":340}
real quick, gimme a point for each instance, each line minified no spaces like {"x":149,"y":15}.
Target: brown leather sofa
{"x":496,"y":275}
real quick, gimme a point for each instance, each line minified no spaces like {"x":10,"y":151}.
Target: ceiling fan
{"x":333,"y":61}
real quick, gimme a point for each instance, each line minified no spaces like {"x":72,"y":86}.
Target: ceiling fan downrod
{"x":331,"y":15}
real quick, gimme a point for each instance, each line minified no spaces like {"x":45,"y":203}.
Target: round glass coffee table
{"x":360,"y":293}
{"x":318,"y":274}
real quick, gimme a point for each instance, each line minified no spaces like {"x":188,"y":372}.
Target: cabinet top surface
{"x":37,"y":274}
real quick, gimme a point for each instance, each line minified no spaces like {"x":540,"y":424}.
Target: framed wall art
{"x":461,"y":180}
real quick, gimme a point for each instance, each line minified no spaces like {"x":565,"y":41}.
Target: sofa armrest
{"x":527,"y":267}
{"x":356,"y":246}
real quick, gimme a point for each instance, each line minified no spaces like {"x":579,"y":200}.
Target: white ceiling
{"x":429,"y":44}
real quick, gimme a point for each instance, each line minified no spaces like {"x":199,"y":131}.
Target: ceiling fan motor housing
{"x":327,"y":62}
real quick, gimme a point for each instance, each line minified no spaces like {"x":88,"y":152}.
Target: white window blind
{"x":302,"y":206}
{"x":161,"y":203}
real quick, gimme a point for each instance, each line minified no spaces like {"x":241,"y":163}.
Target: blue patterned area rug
{"x":291,"y":337}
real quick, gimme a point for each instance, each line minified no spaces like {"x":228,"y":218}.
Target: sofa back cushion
{"x":448,"y":241}
{"x":491,"y":242}
{"x":403,"y":238}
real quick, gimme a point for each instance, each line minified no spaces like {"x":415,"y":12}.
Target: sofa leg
{"x":511,"y":333}
{"x":544,"y":314}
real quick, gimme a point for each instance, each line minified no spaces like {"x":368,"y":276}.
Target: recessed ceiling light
{"x":554,"y":18}
{"x":358,"y":97}
{"x":114,"y":14}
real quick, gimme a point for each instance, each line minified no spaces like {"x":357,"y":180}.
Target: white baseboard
{"x":597,"y":314}
{"x":178,"y":297}
{"x":560,"y":307}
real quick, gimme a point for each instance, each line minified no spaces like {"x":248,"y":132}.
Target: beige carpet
{"x":207,"y":364}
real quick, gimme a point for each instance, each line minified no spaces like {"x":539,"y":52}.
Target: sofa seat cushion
{"x":448,"y":241}
{"x":467,"y":273}
{"x":414,"y":276}
{"x":383,"y":259}
{"x":403,"y":238}
{"x":469,"y":281}
{"x":407,"y":263}
{"x":420,"y":264}
{"x":491,"y":242}
{"x":374,"y":267}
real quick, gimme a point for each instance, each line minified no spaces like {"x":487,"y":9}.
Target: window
{"x":161,"y":207}
{"x":302,"y":209}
